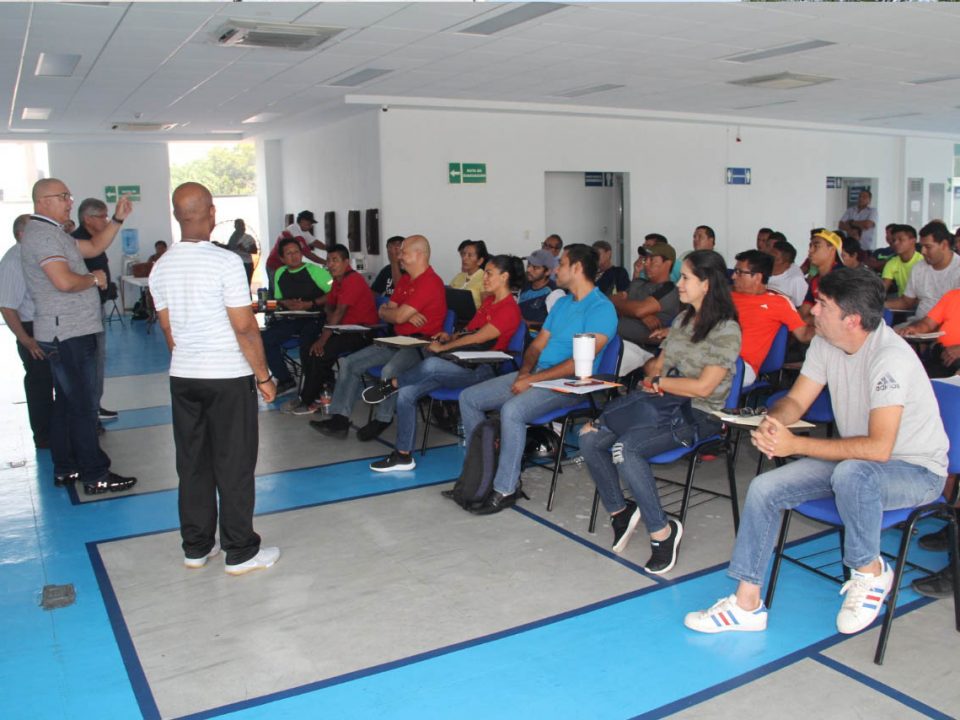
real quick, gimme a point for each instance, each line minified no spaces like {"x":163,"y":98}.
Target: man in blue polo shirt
{"x":584,"y":310}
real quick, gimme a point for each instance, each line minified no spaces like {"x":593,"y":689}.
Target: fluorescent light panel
{"x":56,"y":64}
{"x":359,"y":78}
{"x":763,"y":105}
{"x":36,"y":113}
{"x":263,"y":117}
{"x":580,"y":92}
{"x":889,"y":117}
{"x":777,"y":51}
{"x":527,"y":11}
{"x":782,"y":81}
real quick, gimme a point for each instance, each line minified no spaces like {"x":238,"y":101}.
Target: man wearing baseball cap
{"x":302,"y":231}
{"x":648,"y":304}
{"x":824,"y":255}
{"x":538,"y":287}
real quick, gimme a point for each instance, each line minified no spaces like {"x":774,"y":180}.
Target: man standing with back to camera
{"x":217,"y":365}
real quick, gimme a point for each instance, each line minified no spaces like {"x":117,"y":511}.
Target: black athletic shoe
{"x":624,"y":524}
{"x":112,"y":483}
{"x":104,"y":414}
{"x":372,"y":430}
{"x":664,"y":552}
{"x":379,"y":392}
{"x":394,"y":462}
{"x":335,"y":426}
{"x":938,"y":585}
{"x":937,"y":541}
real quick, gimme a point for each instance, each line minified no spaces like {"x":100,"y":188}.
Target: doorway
{"x":842,"y":193}
{"x":583,"y":207}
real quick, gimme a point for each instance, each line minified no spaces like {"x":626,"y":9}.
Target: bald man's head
{"x":415,"y":255}
{"x":193,"y":209}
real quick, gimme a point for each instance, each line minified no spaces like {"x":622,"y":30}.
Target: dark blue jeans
{"x":281,"y":330}
{"x":73,"y":427}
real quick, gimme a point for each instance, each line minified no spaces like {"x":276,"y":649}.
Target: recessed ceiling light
{"x":777,"y":51}
{"x":56,"y":64}
{"x":590,"y":90}
{"x":931,"y":80}
{"x":782,"y":81}
{"x":358,"y":78}
{"x":889,"y":117}
{"x":527,"y":11}
{"x":36,"y":113}
{"x":763,"y":105}
{"x":263,"y":117}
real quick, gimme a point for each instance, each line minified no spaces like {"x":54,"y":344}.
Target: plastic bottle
{"x":325,"y":399}
{"x":461,"y":438}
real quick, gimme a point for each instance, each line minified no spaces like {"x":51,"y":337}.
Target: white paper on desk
{"x":925,"y":336}
{"x":562,"y":386}
{"x":755,"y":420}
{"x":347,"y":328}
{"x":480,"y":355}
{"x":305,"y":313}
{"x":402,"y":341}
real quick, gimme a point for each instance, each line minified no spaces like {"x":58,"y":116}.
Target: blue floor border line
{"x":876,"y":685}
{"x":812,"y":652}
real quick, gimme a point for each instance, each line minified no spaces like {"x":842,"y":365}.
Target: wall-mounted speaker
{"x":330,"y":228}
{"x":353,"y":230}
{"x":373,"y":232}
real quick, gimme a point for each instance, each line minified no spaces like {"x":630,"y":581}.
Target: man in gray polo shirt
{"x":16,"y":306}
{"x":66,"y":323}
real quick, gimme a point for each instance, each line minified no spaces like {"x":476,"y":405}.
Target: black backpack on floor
{"x":479,"y":466}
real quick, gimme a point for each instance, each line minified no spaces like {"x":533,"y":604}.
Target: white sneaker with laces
{"x":261,"y":561}
{"x":725,"y":616}
{"x":865,"y":594}
{"x":196,"y":563}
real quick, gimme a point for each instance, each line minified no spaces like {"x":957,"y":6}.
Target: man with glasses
{"x":93,"y":217}
{"x":647,"y":305}
{"x":761,"y":311}
{"x":66,"y":324}
{"x":554,"y":244}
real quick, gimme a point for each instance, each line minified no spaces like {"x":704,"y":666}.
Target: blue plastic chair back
{"x":449,"y":321}
{"x":610,"y":356}
{"x":948,"y":397}
{"x":733,"y":398}
{"x":777,"y":353}
{"x":888,"y":316}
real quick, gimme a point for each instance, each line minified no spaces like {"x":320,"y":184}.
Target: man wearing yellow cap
{"x":824,"y":255}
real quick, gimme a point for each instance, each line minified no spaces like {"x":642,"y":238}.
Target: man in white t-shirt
{"x":203,"y":306}
{"x":786,"y":279}
{"x":891,"y":453}
{"x":931,"y":280}
{"x":860,"y":220}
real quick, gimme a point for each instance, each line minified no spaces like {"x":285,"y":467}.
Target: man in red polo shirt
{"x":349,"y":302}
{"x":761,"y":311}
{"x":417,"y":307}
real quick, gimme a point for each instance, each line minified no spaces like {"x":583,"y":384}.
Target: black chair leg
{"x":688,"y":486}
{"x":556,"y":465}
{"x":426,"y":428}
{"x":731,"y":455}
{"x":596,"y":508}
{"x":778,"y":558}
{"x":905,"y":536}
{"x":952,"y":534}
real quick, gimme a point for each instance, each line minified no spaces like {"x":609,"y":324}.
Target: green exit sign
{"x":467,"y":173}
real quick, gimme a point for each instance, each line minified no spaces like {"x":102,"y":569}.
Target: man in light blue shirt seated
{"x":584,"y":310}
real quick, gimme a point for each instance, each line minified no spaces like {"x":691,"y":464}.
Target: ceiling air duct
{"x":276,"y":36}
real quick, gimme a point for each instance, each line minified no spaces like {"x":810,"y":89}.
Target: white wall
{"x":931,"y":160}
{"x":88,"y":167}
{"x":335,"y":167}
{"x":677,"y":175}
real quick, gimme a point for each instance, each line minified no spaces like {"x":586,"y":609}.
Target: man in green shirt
{"x":897,"y":270}
{"x":298,"y":286}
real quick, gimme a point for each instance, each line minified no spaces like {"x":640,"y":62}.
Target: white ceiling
{"x":154,"y":62}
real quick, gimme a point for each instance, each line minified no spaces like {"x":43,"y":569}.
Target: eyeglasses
{"x":738,"y":271}
{"x":548,"y":246}
{"x":65,"y":196}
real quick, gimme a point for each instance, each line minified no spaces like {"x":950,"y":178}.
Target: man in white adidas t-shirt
{"x":203,"y":306}
{"x":891,"y":453}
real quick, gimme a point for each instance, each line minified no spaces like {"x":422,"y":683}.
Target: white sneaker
{"x":726,"y":616}
{"x":261,"y":561}
{"x":196,"y":563}
{"x":864,"y":598}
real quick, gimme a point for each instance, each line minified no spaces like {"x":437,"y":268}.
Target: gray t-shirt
{"x":58,"y":315}
{"x":633,"y":329}
{"x":929,"y":285}
{"x":885,"y":371}
{"x":720,"y":347}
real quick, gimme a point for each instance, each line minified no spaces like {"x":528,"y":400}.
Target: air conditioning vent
{"x":277,"y":36}
{"x":142,"y":126}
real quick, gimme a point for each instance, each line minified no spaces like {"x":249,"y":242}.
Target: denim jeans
{"x":101,"y":367}
{"x":628,"y":464}
{"x":73,"y":427}
{"x":432,"y":374}
{"x":352,"y":368}
{"x":515,"y":412}
{"x":862,"y":489}
{"x":281,"y":330}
